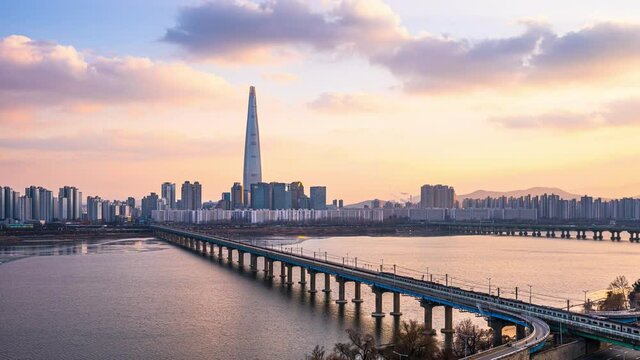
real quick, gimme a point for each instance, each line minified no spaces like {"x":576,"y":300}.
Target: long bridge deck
{"x":537,"y":318}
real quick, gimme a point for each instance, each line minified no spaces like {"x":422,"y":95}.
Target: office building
{"x":318,"y":196}
{"x":260,"y":196}
{"x":237,"y":196}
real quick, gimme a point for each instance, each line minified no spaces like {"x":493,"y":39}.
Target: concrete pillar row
{"x":358,"y":293}
{"x":341,"y":300}
{"x":378,"y":309}
{"x":312,"y":281}
{"x":396,"y":305}
{"x":327,"y":283}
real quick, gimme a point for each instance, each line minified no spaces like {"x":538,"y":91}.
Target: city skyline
{"x":509,"y":101}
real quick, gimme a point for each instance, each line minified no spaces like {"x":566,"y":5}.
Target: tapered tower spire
{"x":252,"y":163}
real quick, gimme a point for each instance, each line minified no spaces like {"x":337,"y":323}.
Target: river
{"x":145,"y":299}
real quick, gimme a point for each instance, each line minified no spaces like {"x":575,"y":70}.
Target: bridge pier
{"x":269,"y":268}
{"x":312,"y":281}
{"x":289,"y":275}
{"x":428,"y":315}
{"x":358,"y":293}
{"x":282,"y":271}
{"x":396,"y":305}
{"x":378,"y":310}
{"x":253,"y":263}
{"x":303,"y":276}
{"x":212,"y":250}
{"x":448,"y":330}
{"x":229,"y":254}
{"x":327,"y":283}
{"x":241,"y":258}
{"x":341,"y":300}
{"x":520,"y":332}
{"x":497,"y":325}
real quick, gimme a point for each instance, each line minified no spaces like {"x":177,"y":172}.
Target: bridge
{"x":595,"y":232}
{"x":533,"y":322}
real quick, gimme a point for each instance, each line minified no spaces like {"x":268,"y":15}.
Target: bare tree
{"x":617,"y":294}
{"x":470,"y":338}
{"x":412,"y":342}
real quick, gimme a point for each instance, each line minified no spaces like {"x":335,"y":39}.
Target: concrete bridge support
{"x":253,"y":263}
{"x":241,"y":258}
{"x":212,"y":250}
{"x":428,"y":315}
{"x":396,"y":305}
{"x":358,"y":293}
{"x":289,"y":275}
{"x":303,"y":276}
{"x":448,"y":330}
{"x":378,"y":310}
{"x":327,"y":283}
{"x":220,"y":252}
{"x":521,"y":332}
{"x":497,"y":325}
{"x":204,"y":248}
{"x":229,"y":254}
{"x":341,"y":300}
{"x":198,"y":245}
{"x":282,"y":271}
{"x":312,"y":282}
{"x":268,"y":268}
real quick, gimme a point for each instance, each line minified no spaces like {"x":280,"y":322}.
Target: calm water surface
{"x":148,"y":299}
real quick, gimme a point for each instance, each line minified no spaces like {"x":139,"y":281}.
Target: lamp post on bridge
{"x":585,"y":300}
{"x":530,"y":293}
{"x":489,"y":285}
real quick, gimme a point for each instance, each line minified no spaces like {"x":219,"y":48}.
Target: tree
{"x":617,"y":294}
{"x":359,"y":347}
{"x":413,"y":341}
{"x":613,"y":302}
{"x":470,"y":339}
{"x":634,"y":295}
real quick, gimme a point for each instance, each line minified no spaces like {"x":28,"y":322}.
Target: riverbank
{"x":26,"y":237}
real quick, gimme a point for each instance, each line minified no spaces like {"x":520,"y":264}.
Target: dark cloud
{"x":224,"y":29}
{"x":227,"y":28}
{"x":618,"y":113}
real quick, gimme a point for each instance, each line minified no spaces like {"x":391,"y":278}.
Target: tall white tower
{"x":252,"y":163}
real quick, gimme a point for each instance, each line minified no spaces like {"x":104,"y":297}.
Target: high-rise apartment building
{"x":297,"y":193}
{"x":168,"y":192}
{"x":191,"y":196}
{"x":280,"y":196}
{"x":437,"y":196}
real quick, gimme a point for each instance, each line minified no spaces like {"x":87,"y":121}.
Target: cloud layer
{"x":617,"y":113}
{"x":224,"y":30}
{"x":37,"y":73}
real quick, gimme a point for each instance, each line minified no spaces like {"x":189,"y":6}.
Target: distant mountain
{"x":481,"y":194}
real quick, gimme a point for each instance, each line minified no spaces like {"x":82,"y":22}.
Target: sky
{"x":370,"y":98}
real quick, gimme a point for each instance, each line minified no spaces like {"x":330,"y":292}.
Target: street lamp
{"x":530,"y":286}
{"x":585,"y":299}
{"x":489,"y":285}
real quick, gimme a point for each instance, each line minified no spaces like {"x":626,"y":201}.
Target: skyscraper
{"x":168,"y":192}
{"x":318,"y":195}
{"x":252,"y":164}
{"x":191,"y":196}
{"x":237,"y":196}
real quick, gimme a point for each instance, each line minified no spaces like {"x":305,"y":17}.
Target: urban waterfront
{"x":149,"y":299}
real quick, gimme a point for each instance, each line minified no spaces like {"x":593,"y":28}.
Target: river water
{"x":146,"y":299}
